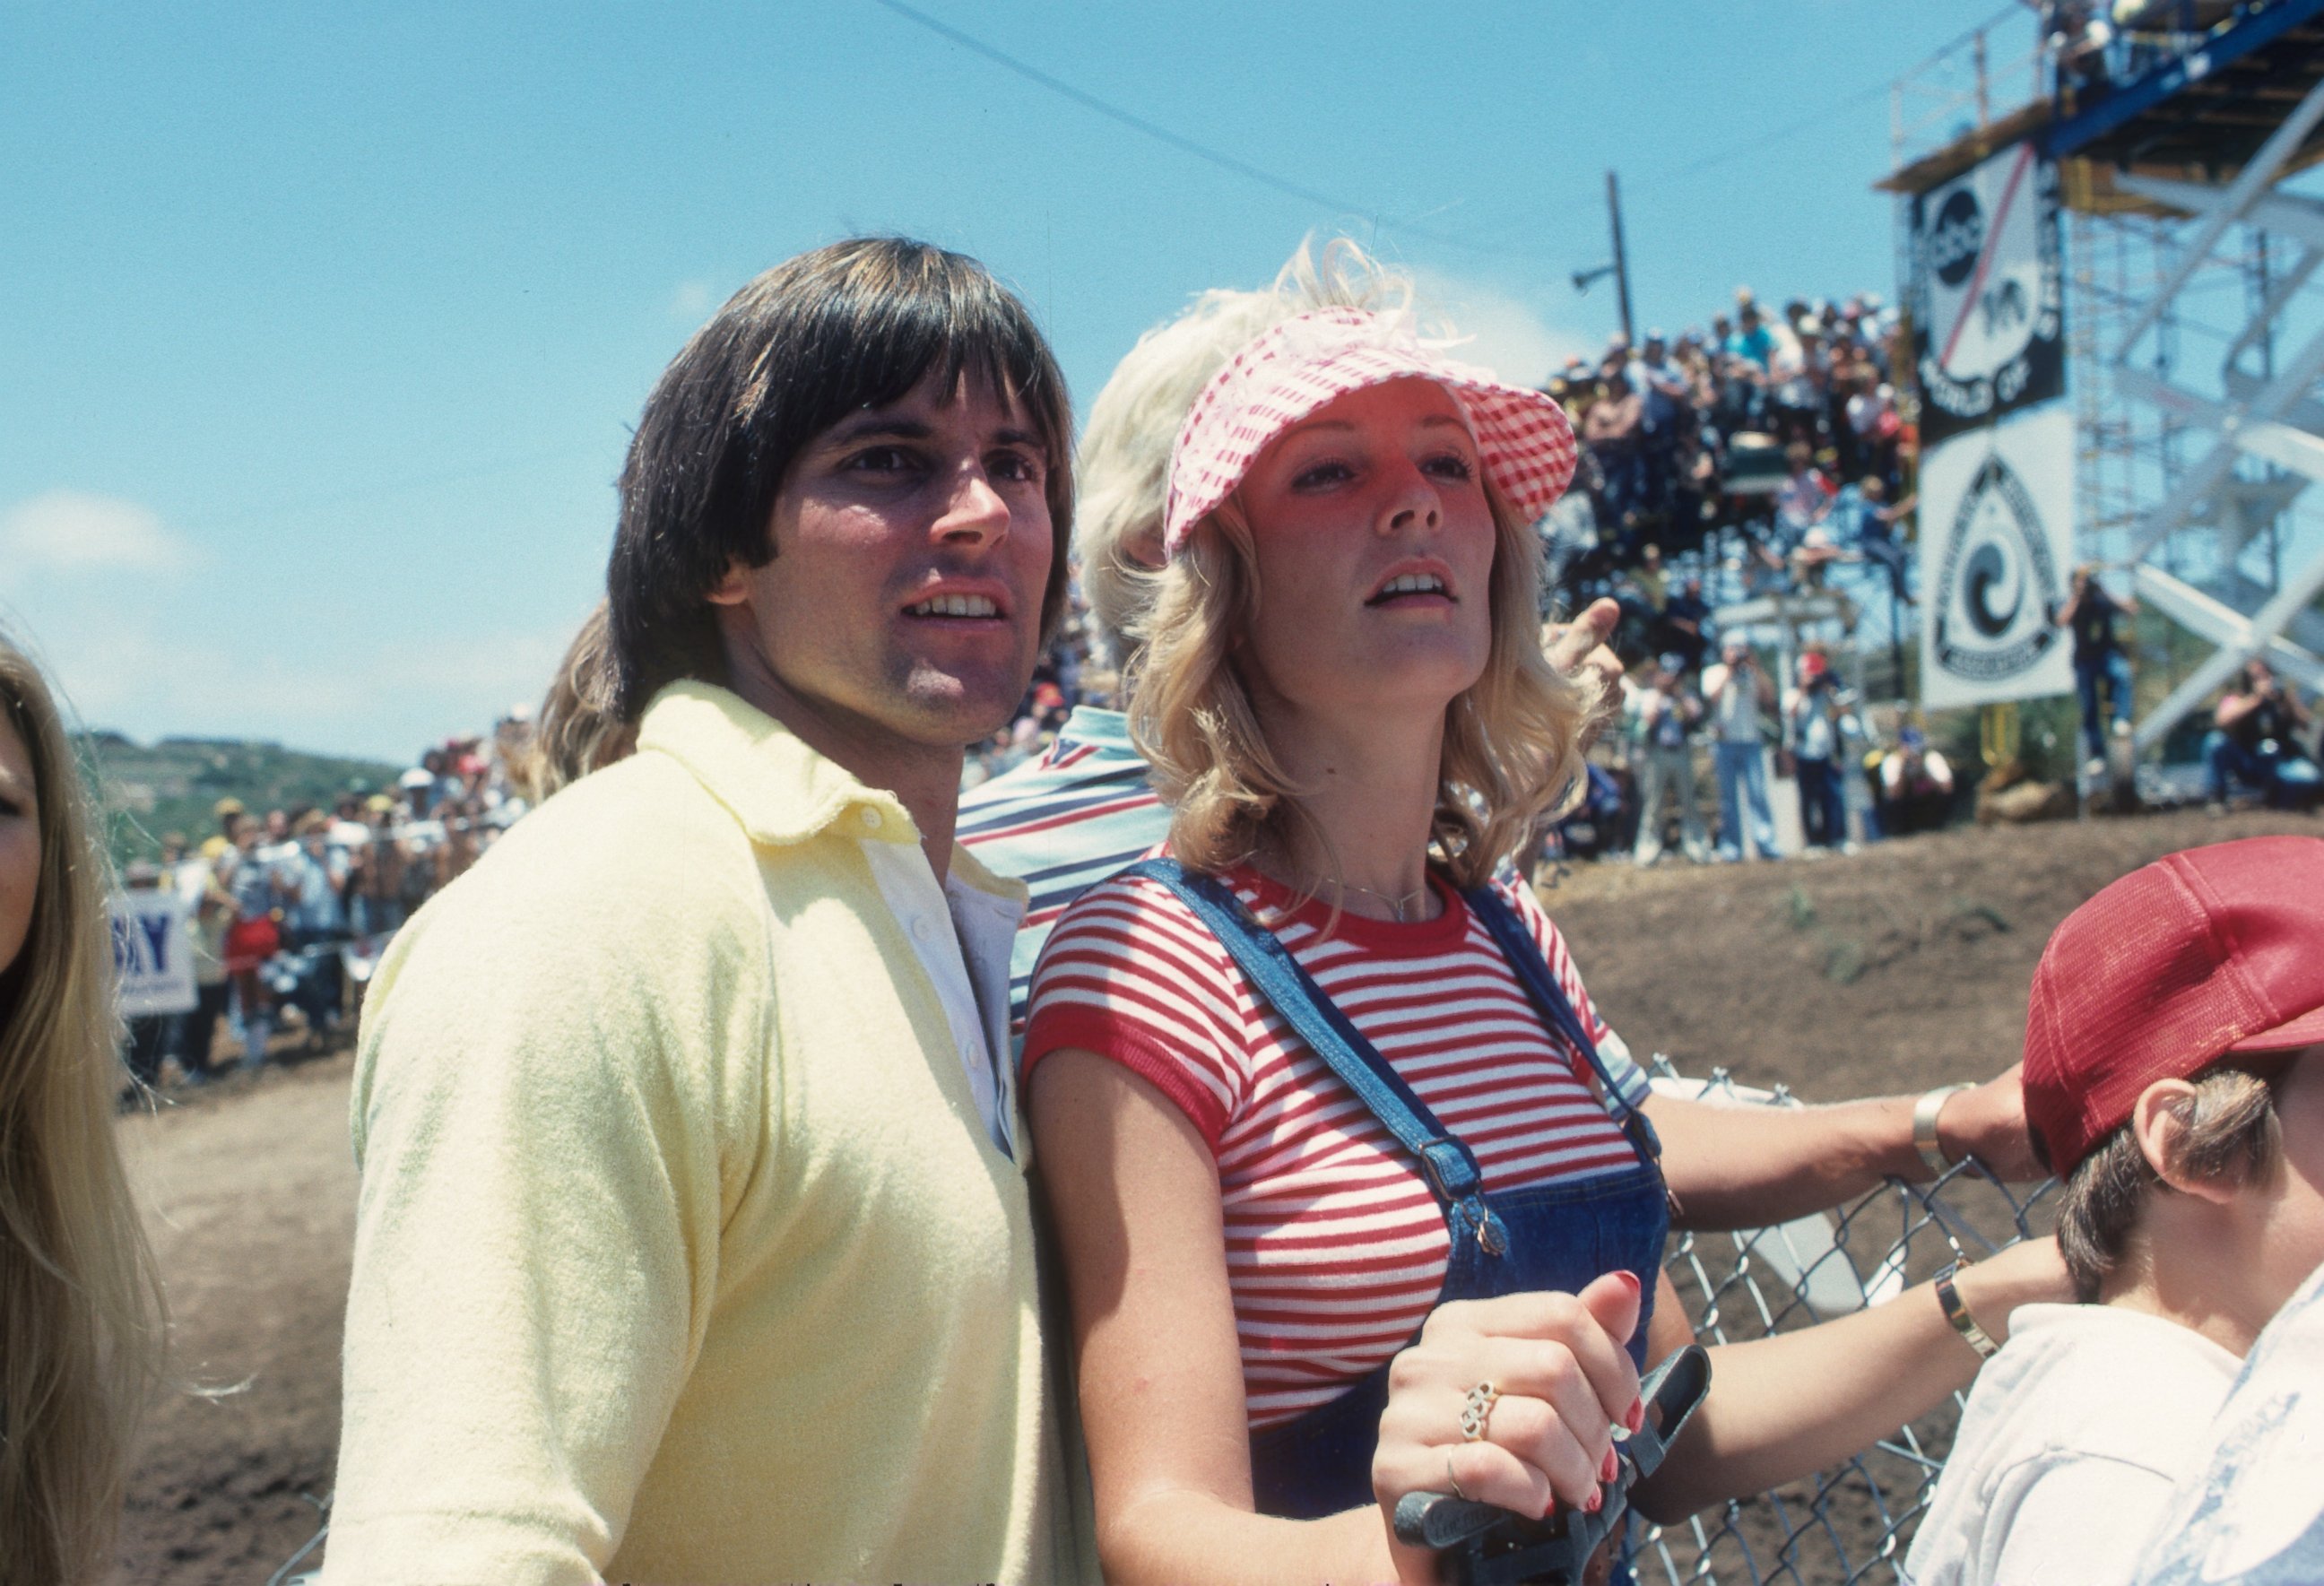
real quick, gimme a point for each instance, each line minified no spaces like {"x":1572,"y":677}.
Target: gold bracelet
{"x":1948,"y":1299}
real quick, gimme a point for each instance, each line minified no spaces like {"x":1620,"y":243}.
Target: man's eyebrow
{"x":864,"y":426}
{"x":1025,"y":437}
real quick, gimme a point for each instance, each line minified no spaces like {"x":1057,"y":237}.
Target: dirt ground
{"x":1893,"y":970}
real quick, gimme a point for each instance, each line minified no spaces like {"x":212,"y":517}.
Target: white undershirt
{"x":963,"y":937}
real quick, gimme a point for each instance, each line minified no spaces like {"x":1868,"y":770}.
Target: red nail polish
{"x":1636,"y":1419}
{"x":1607,"y":1469}
{"x":1596,"y":1501}
{"x":1631,"y":1278}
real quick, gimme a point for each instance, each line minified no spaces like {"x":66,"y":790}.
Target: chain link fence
{"x":1854,"y":1521}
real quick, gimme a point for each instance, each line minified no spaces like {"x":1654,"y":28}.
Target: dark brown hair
{"x":855,"y":325}
{"x":2231,"y":1137}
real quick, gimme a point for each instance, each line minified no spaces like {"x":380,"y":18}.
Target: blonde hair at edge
{"x":80,"y":1308}
{"x":577,"y":729}
{"x":1511,"y":740}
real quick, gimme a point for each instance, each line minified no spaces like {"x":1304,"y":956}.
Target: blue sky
{"x":321,"y":327}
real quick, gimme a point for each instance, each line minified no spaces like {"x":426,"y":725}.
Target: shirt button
{"x":921,"y":930}
{"x":871,"y":820}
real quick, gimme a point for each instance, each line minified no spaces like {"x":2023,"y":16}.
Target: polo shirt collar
{"x":780,"y":790}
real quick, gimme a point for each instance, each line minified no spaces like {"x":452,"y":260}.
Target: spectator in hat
{"x":1247,"y":1251}
{"x":1078,"y":813}
{"x":2100,"y":660}
{"x":1665,"y":715}
{"x":1869,"y":521}
{"x":2174,"y":1079}
{"x":1812,"y":559}
{"x":1614,"y":430}
{"x":1816,"y":724}
{"x":1915,"y":785}
{"x":2256,"y":740}
{"x":1741,"y":699}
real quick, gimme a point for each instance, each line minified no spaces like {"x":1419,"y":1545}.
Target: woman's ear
{"x":2159,"y":1120}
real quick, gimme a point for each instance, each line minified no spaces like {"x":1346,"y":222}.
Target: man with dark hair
{"x":693,"y":1241}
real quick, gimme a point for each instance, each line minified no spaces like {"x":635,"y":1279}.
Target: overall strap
{"x":1523,"y":950}
{"x":1446,"y":1164}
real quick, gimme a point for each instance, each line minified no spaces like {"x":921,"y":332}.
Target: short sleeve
{"x":1130,"y":974}
{"x":2054,"y":1530}
{"x":1613,"y":1052}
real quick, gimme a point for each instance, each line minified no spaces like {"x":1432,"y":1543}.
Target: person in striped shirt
{"x":1279,"y":1317}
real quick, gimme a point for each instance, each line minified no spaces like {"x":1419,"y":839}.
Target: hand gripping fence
{"x":1848,"y":1524}
{"x":1854,"y":1521}
{"x":1485,"y":1546}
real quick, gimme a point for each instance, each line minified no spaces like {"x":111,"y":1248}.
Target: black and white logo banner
{"x":1996,"y":554}
{"x":1986,"y":293}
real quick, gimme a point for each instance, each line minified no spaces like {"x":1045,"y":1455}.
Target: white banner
{"x":153,"y":951}
{"x":1996,"y":554}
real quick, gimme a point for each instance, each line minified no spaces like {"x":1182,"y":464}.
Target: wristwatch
{"x":1924,"y":1126}
{"x":1948,"y":1298}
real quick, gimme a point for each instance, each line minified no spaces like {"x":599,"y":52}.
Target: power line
{"x":1185,"y":146}
{"x":1136,"y":123}
{"x":1722,"y":156}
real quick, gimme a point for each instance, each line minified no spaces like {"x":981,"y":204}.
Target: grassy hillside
{"x":173,"y":784}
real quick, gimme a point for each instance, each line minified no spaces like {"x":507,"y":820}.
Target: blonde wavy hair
{"x":577,"y":730}
{"x":80,"y":1306}
{"x":1512,"y":740}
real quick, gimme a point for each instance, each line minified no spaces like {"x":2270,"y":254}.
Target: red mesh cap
{"x":2203,"y":952}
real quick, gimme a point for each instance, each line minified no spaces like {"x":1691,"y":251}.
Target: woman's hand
{"x":2029,"y":1272}
{"x":1564,"y":1382}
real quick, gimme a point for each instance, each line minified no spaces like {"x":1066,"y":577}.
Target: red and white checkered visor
{"x":1309,"y":362}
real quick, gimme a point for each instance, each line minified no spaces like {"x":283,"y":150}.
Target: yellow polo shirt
{"x":682,"y":1251}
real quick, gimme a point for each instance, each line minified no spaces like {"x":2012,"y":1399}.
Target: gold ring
{"x":1478,"y":1412}
{"x":1449,"y":1476}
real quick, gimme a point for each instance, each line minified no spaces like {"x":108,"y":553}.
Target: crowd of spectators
{"x":288,"y":907}
{"x":1762,"y":455}
{"x":1745,"y":459}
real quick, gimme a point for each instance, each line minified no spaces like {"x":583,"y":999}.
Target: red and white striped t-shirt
{"x":1335,"y":1249}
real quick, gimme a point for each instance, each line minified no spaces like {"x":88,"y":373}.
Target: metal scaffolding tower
{"x":2195,"y":302}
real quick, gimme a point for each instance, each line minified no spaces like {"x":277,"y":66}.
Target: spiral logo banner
{"x":1996,"y":554}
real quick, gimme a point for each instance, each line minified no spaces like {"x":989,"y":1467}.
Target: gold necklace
{"x":1415,"y":898}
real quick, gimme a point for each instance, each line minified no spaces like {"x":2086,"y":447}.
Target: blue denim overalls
{"x":1553,"y":1237}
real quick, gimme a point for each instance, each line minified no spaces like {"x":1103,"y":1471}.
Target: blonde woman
{"x":78,"y":1303}
{"x":1294,"y":1265}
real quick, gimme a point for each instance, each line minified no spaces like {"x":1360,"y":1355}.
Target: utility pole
{"x":1621,"y":260}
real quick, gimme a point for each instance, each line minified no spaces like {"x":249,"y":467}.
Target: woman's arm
{"x":1750,"y":1166}
{"x":1783,"y":1407}
{"x":1133,"y":1191}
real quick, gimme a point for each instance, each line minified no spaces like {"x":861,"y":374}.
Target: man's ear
{"x":732,"y":588}
{"x":2159,"y":1120}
